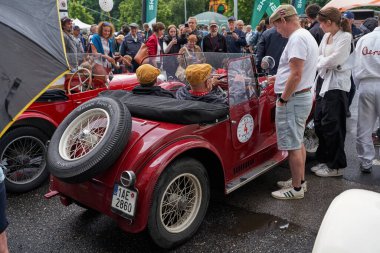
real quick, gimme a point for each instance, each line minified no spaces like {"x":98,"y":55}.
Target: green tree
{"x":130,"y":11}
{"x":76,"y":9}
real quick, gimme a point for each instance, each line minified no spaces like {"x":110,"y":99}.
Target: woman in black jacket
{"x":171,"y":46}
{"x":171,"y":42}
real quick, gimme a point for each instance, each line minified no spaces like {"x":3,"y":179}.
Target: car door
{"x":244,"y":105}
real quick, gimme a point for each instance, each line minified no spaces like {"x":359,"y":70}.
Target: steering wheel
{"x":84,"y":76}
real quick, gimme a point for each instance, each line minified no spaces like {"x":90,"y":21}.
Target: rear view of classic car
{"x":152,"y":162}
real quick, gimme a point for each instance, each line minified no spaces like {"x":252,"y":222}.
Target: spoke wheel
{"x":180,"y":203}
{"x":89,"y":140}
{"x":84,"y":134}
{"x":23,"y":158}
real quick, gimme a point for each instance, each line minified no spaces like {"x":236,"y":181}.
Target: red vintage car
{"x":23,"y":146}
{"x":153,"y":162}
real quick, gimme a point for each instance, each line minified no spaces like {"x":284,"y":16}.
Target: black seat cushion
{"x":169,"y":109}
{"x":52,"y":95}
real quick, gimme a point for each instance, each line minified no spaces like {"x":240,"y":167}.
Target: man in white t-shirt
{"x":294,"y":80}
{"x":367,"y":77}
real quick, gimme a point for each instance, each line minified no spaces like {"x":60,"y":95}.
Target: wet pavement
{"x":247,"y":220}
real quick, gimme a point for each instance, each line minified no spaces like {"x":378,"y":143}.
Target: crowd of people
{"x":331,"y":69}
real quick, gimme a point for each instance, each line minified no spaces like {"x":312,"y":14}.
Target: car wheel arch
{"x":204,"y":155}
{"x":42,"y":124}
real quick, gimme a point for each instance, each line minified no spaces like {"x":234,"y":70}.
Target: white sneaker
{"x":288,"y":193}
{"x":327,"y":172}
{"x":318,"y":167}
{"x":288,"y":184}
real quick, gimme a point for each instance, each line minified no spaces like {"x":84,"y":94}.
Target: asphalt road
{"x":247,"y":220}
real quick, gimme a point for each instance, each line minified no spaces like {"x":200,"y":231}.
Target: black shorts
{"x":3,"y":204}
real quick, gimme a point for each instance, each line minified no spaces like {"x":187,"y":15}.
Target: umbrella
{"x":344,"y":5}
{"x":32,"y":54}
{"x":204,"y":18}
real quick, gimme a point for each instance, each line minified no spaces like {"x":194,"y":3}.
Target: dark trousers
{"x":351,"y":93}
{"x":330,"y":127}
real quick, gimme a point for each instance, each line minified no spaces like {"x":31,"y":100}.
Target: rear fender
{"x":148,"y":176}
{"x":34,"y":119}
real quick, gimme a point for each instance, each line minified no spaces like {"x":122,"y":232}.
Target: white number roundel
{"x":245,"y":128}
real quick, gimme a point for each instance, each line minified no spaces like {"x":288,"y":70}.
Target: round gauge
{"x":245,"y":128}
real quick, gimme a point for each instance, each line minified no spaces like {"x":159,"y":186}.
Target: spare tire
{"x":89,"y":140}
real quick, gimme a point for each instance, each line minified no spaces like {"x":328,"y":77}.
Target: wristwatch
{"x":282,"y":100}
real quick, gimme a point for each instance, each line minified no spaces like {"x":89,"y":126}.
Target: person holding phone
{"x":191,"y":29}
{"x":171,"y":41}
{"x":234,"y":37}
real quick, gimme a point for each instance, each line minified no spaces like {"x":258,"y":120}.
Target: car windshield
{"x":97,"y":64}
{"x":173,"y":66}
{"x":234,"y":70}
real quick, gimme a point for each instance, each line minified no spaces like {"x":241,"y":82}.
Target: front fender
{"x":35,"y":115}
{"x":148,"y":175}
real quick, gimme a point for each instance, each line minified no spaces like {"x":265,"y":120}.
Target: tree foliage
{"x":77,"y":10}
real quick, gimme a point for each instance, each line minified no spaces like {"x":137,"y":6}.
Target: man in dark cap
{"x":214,"y":42}
{"x":234,"y":37}
{"x":78,"y":39}
{"x":351,"y":18}
{"x":131,"y":45}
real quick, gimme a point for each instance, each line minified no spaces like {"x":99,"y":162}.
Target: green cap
{"x":285,"y":10}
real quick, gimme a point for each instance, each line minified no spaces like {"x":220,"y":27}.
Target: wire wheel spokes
{"x":84,"y":134}
{"x":180,"y":203}
{"x":24,"y":159}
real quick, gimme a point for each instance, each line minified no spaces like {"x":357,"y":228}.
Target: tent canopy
{"x":344,"y":5}
{"x":82,"y":26}
{"x":204,"y":18}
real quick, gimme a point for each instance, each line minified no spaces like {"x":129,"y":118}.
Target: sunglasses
{"x":106,"y":24}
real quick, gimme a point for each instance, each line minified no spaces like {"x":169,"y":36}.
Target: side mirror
{"x":267,"y":63}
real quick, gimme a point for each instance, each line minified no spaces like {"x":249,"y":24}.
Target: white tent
{"x":82,"y":26}
{"x":344,"y":5}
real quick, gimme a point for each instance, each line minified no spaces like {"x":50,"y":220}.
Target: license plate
{"x":124,"y":200}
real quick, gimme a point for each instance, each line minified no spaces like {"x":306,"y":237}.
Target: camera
{"x":186,"y":25}
{"x":229,"y":33}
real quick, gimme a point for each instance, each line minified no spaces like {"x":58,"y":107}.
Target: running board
{"x":255,"y":172}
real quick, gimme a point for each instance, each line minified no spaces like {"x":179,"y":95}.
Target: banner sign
{"x":151,"y":11}
{"x":62,"y":8}
{"x":260,"y":8}
{"x":299,"y":5}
